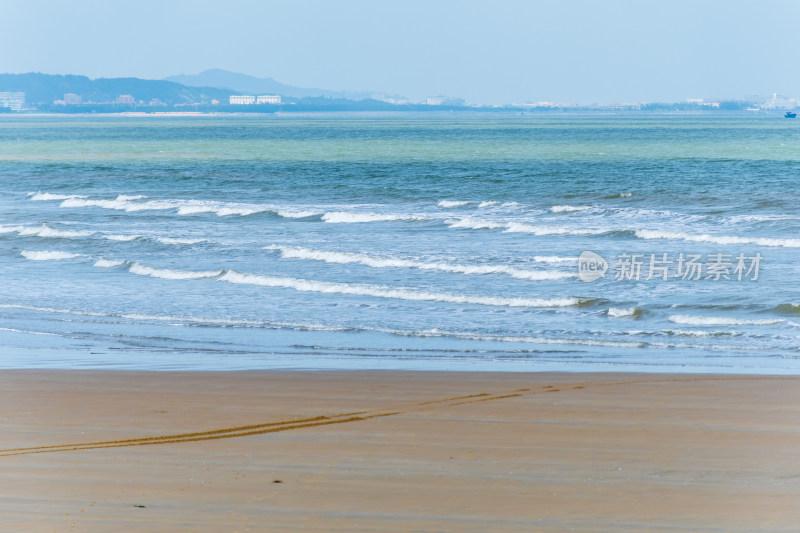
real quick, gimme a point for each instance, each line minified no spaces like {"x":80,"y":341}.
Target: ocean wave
{"x":232,"y":276}
{"x":717,"y":239}
{"x":788,"y":309}
{"x":108,"y":263}
{"x":47,"y":256}
{"x":434,"y":332}
{"x":700,"y":333}
{"x":44,"y":231}
{"x":46,"y":196}
{"x":297,"y":214}
{"x":554,"y":259}
{"x":723,"y":321}
{"x":519,"y":227}
{"x":341,"y":217}
{"x":569,"y":208}
{"x":183,"y":207}
{"x":736,"y":219}
{"x":290,"y":252}
{"x":165,"y":273}
{"x":632,"y":312}
{"x":172,"y":241}
{"x":122,"y":238}
{"x":489,"y":203}
{"x":454,"y":203}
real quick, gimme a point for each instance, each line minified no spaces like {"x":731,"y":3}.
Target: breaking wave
{"x":47,"y":256}
{"x":717,"y":239}
{"x":290,"y":252}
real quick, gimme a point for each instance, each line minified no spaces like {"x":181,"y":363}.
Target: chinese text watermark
{"x":665,"y":266}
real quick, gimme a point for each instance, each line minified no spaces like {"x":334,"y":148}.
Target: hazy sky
{"x":497,"y":51}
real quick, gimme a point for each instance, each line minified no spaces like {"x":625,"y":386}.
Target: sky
{"x":499,"y":51}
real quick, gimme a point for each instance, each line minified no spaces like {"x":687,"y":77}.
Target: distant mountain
{"x":223,"y":79}
{"x":43,"y":89}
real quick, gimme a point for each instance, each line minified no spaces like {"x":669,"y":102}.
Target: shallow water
{"x":406,"y":241}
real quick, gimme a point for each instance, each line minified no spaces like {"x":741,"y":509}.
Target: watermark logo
{"x":591,"y":266}
{"x":664,"y":266}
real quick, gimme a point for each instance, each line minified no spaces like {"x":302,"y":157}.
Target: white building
{"x":125,"y":99}
{"x":242,"y":100}
{"x":268,"y":99}
{"x":72,"y":99}
{"x":15,"y":101}
{"x":434,"y":100}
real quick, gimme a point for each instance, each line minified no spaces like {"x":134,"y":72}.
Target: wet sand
{"x":99,"y":451}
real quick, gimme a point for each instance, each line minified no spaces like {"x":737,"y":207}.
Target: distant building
{"x":124,"y":99}
{"x":238,"y":99}
{"x":268,"y":99}
{"x":72,"y":99}
{"x":15,"y":101}
{"x":434,"y":100}
{"x":157,"y":102}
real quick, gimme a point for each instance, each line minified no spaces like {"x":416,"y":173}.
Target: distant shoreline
{"x":444,"y":112}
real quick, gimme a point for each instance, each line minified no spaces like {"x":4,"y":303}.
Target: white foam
{"x":127,"y":198}
{"x":290,"y":252}
{"x":722,"y":321}
{"x":473,"y":223}
{"x":517,"y":227}
{"x":232,"y":276}
{"x":165,"y":273}
{"x":47,"y":256}
{"x":340,"y":217}
{"x":183,"y":207}
{"x":46,"y":196}
{"x":490,"y":204}
{"x":759,"y":218}
{"x":108,"y":263}
{"x":10,"y":229}
{"x":454,"y":203}
{"x":169,"y":240}
{"x":554,"y":259}
{"x":569,"y":208}
{"x":622,"y":313}
{"x":717,"y":239}
{"x":700,"y":333}
{"x":45,"y":231}
{"x":296,"y":214}
{"x":511,"y":338}
{"x":221,"y":210}
{"x":123,"y":238}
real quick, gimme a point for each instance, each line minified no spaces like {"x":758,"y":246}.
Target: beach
{"x":95,"y":450}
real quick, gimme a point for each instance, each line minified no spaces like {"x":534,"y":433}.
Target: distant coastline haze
{"x":577,"y":52}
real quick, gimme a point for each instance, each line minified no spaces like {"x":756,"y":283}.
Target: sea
{"x":431,"y":241}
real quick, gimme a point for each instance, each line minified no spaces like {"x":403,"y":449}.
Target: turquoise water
{"x":404,"y":241}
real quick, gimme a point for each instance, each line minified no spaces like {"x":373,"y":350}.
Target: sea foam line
{"x":379,"y":291}
{"x":291,"y":252}
{"x":724,"y":321}
{"x":47,"y":255}
{"x":183,"y":207}
{"x":231,"y":276}
{"x":717,"y":239}
{"x":341,"y":217}
{"x":519,"y":227}
{"x":44,"y":231}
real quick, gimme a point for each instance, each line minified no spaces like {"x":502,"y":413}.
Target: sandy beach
{"x":106,"y":451}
